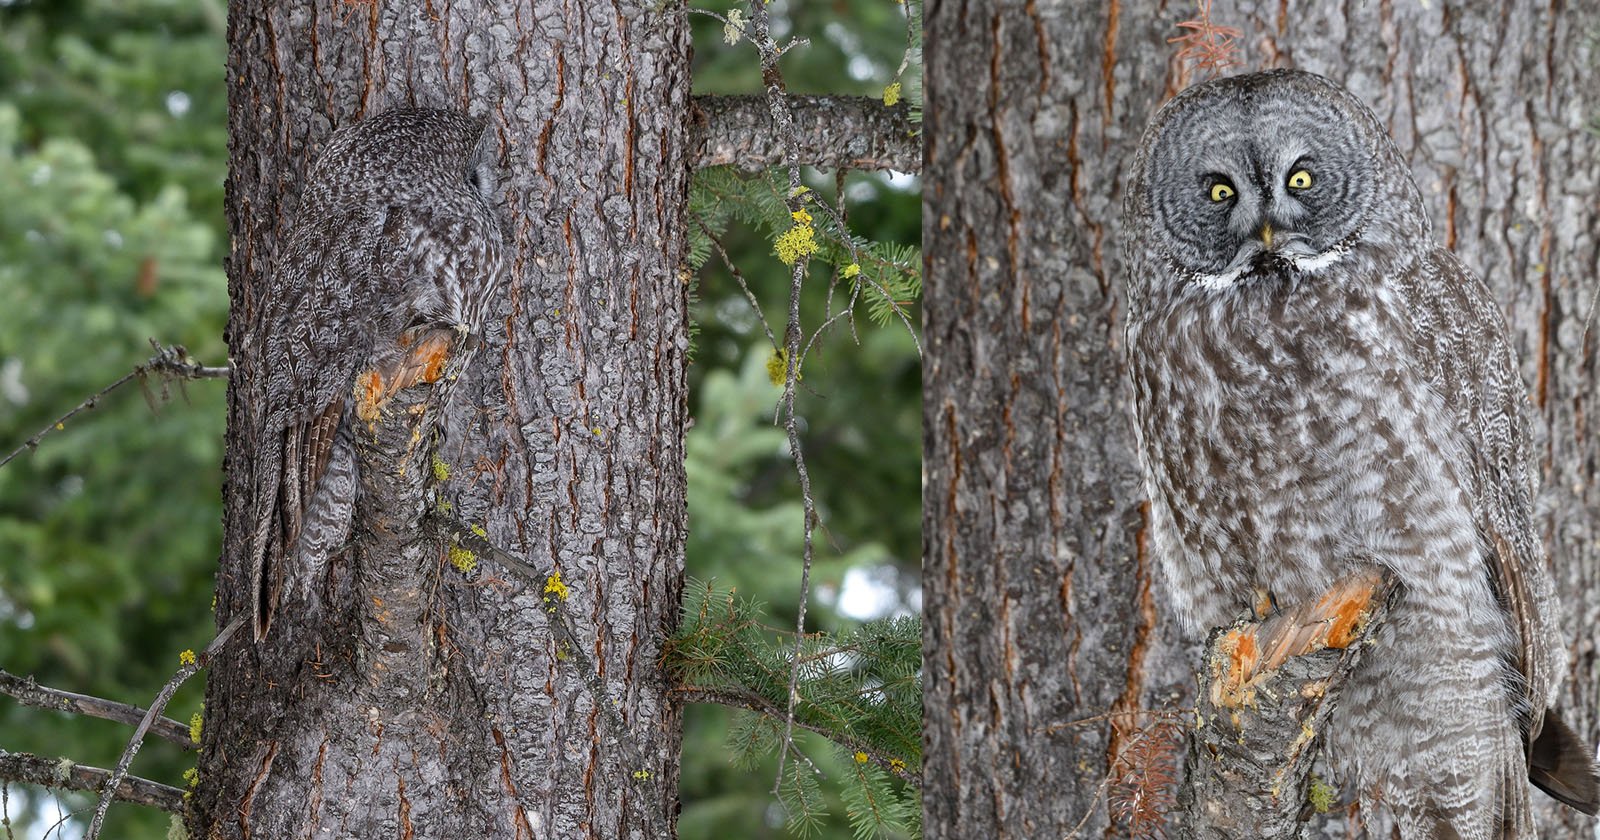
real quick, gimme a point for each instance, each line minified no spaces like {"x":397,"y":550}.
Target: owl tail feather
{"x":1560,"y":764}
{"x":266,"y":566}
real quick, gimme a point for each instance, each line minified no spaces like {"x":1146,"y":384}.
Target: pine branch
{"x":1205,"y":46}
{"x":62,"y":774}
{"x":829,"y":132}
{"x":752,"y":702}
{"x":859,"y":689}
{"x":29,"y":693}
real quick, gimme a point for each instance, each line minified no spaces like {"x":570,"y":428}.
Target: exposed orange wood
{"x":1249,"y":651}
{"x":369,"y":395}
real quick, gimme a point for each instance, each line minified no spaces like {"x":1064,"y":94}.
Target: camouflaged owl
{"x":395,"y":233}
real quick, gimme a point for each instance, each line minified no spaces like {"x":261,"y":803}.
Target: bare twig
{"x":190,"y":667}
{"x":738,"y":276}
{"x":62,"y":774}
{"x":1094,"y":805}
{"x":777,"y":100}
{"x":1588,"y":321}
{"x":171,"y":363}
{"x":895,"y":306}
{"x":1156,"y":713}
{"x":29,"y":693}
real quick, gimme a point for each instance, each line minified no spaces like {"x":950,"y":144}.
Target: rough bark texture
{"x":564,"y":438}
{"x":833,"y":132}
{"x":1041,"y":608}
{"x":1267,"y":691}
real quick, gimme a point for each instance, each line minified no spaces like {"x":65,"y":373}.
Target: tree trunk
{"x":564,"y":439}
{"x":1040,"y":606}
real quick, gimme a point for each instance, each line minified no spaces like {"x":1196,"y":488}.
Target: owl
{"x":395,"y":235}
{"x":1319,"y":389}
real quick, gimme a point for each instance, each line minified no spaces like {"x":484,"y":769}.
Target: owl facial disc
{"x":1254,"y":181}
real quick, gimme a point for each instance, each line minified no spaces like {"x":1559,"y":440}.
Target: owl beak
{"x":1266,"y":235}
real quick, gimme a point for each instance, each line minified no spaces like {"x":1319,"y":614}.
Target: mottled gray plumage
{"x":395,"y":234}
{"x":1319,"y":388}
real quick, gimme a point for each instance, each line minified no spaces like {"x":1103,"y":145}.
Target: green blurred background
{"x":113,"y":149}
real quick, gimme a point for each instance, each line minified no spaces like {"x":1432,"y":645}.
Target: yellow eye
{"x":1300,"y":180}
{"x":1221,"y":192}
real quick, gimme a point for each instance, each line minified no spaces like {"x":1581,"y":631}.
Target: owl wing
{"x":1461,"y":339}
{"x":315,"y":332}
{"x":1463,"y":344}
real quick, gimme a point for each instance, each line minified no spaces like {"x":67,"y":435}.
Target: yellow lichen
{"x":441,"y":470}
{"x":897,"y":765}
{"x":554,"y":586}
{"x":797,"y":242}
{"x":861,"y":757}
{"x":186,"y":657}
{"x":195,"y":724}
{"x":778,"y":368}
{"x":891,"y":94}
{"x":464,"y":560}
{"x":852,"y":270}
{"x":1321,"y":795}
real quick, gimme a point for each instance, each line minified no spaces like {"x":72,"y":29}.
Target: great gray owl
{"x":395,"y":235}
{"x":1318,"y":389}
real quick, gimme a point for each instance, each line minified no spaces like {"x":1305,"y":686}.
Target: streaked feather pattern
{"x":1339,"y":393}
{"x":394,"y":229}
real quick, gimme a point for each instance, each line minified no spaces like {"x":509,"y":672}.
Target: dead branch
{"x":777,"y":101}
{"x":191,"y":665}
{"x":1267,"y":689}
{"x":830,"y":132}
{"x":29,"y":693}
{"x":62,"y":774}
{"x":172,"y":364}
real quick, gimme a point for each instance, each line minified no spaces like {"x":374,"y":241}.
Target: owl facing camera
{"x":1320,"y":390}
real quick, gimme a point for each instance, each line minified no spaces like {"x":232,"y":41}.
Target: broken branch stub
{"x":1267,"y":690}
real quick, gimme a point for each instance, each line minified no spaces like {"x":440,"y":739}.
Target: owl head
{"x":407,"y":154}
{"x":1274,"y":174}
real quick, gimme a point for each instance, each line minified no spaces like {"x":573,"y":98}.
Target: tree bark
{"x":832,"y":132}
{"x":1041,"y":607}
{"x":564,"y":439}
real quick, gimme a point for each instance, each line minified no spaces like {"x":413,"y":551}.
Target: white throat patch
{"x":1227,"y":279}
